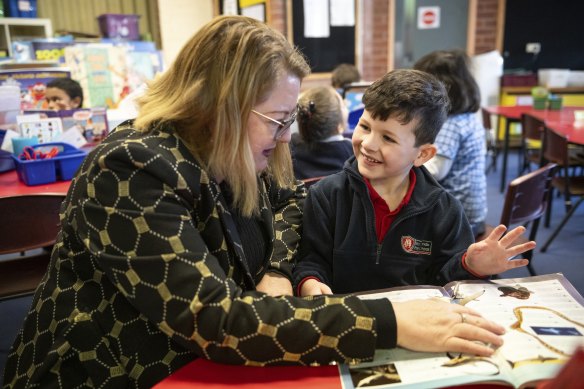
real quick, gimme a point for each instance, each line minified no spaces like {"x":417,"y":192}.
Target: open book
{"x":543,"y":316}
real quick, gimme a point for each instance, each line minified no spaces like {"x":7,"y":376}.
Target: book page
{"x":405,"y":293}
{"x":543,"y":316}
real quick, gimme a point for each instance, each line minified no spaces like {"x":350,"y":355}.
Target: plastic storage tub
{"x":6,"y":161}
{"x":123,"y":26}
{"x":44,"y":171}
{"x":20,"y":8}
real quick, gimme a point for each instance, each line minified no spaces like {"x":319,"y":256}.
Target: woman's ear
{"x":425,"y":153}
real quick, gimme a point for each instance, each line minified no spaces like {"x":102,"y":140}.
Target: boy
{"x":384,"y":221}
{"x":63,"y":93}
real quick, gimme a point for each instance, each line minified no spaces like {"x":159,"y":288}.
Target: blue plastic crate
{"x":6,"y":161}
{"x":44,"y":171}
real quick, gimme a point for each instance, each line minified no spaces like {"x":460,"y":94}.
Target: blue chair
{"x":354,"y":117}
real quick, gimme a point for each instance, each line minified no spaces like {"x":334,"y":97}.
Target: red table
{"x":206,"y":374}
{"x":10,"y":185}
{"x":561,"y":121}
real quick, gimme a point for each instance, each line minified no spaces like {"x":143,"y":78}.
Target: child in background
{"x":319,"y":149}
{"x":384,"y":221}
{"x":63,"y":93}
{"x":343,"y":75}
{"x":459,"y":165}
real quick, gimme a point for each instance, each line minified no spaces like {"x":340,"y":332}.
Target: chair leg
{"x":530,"y":268}
{"x":548,"y":211}
{"x":495,"y":156}
{"x":561,"y":225}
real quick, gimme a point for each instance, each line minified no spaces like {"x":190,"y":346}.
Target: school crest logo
{"x":415,"y":246}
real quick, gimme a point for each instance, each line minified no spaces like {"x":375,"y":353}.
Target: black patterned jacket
{"x":148,"y":273}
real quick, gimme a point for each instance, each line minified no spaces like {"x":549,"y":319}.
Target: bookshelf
{"x":13,"y":28}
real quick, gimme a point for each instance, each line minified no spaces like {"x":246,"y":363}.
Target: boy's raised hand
{"x":492,"y":255}
{"x":314,"y":288}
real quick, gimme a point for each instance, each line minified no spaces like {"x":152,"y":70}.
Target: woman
{"x":319,"y":148}
{"x":459,"y":165}
{"x":178,"y":222}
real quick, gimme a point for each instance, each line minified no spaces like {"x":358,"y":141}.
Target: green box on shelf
{"x":539,"y":103}
{"x":540,"y":96}
{"x":555,"y":102}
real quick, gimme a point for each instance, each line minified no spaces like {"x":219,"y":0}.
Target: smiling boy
{"x":384,"y":221}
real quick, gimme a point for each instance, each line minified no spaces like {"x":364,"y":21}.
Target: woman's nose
{"x":286,"y":136}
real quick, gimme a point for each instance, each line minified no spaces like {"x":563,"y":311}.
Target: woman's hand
{"x":313,"y":287}
{"x":436,"y":326}
{"x":491,"y":255}
{"x":275,"y":284}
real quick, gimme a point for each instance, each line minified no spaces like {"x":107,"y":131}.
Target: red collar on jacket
{"x":383,"y":215}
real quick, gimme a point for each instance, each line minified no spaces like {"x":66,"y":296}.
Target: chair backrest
{"x":531,"y":127}
{"x":555,"y":147}
{"x":29,"y":222}
{"x":354,"y":117}
{"x":490,"y":136}
{"x":359,"y":86}
{"x":526,"y":197}
{"x":486,"y":119}
{"x":308,"y":182}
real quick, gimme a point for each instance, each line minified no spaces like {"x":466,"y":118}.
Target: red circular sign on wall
{"x":429,"y":17}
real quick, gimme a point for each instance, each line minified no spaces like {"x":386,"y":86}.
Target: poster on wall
{"x":257,"y":12}
{"x":428,"y":18}
{"x":32,"y":83}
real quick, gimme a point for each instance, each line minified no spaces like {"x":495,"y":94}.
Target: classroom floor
{"x":563,"y":256}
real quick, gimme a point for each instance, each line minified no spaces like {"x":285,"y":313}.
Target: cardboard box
{"x":576,"y":78}
{"x":554,"y":78}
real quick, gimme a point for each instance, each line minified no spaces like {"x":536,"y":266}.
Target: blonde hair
{"x":207,"y":94}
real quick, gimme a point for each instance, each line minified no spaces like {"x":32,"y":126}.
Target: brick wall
{"x":486,"y":26}
{"x":374,"y":17}
{"x":277,"y":15}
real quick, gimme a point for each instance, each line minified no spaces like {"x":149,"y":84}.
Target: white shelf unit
{"x":26,"y":28}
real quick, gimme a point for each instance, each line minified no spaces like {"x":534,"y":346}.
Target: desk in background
{"x":561,"y":121}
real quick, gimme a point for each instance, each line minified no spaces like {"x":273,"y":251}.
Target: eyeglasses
{"x":282,"y":125}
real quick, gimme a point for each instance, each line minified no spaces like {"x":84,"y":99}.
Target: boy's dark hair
{"x":344,"y":74}
{"x":319,"y":113}
{"x":70,"y":86}
{"x":407,"y":95}
{"x":452,"y":67}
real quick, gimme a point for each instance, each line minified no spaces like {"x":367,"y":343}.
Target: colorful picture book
{"x":543,"y":316}
{"x":91,"y":122}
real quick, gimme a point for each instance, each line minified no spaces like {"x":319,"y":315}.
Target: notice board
{"x":555,"y":25}
{"x":323,"y":54}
